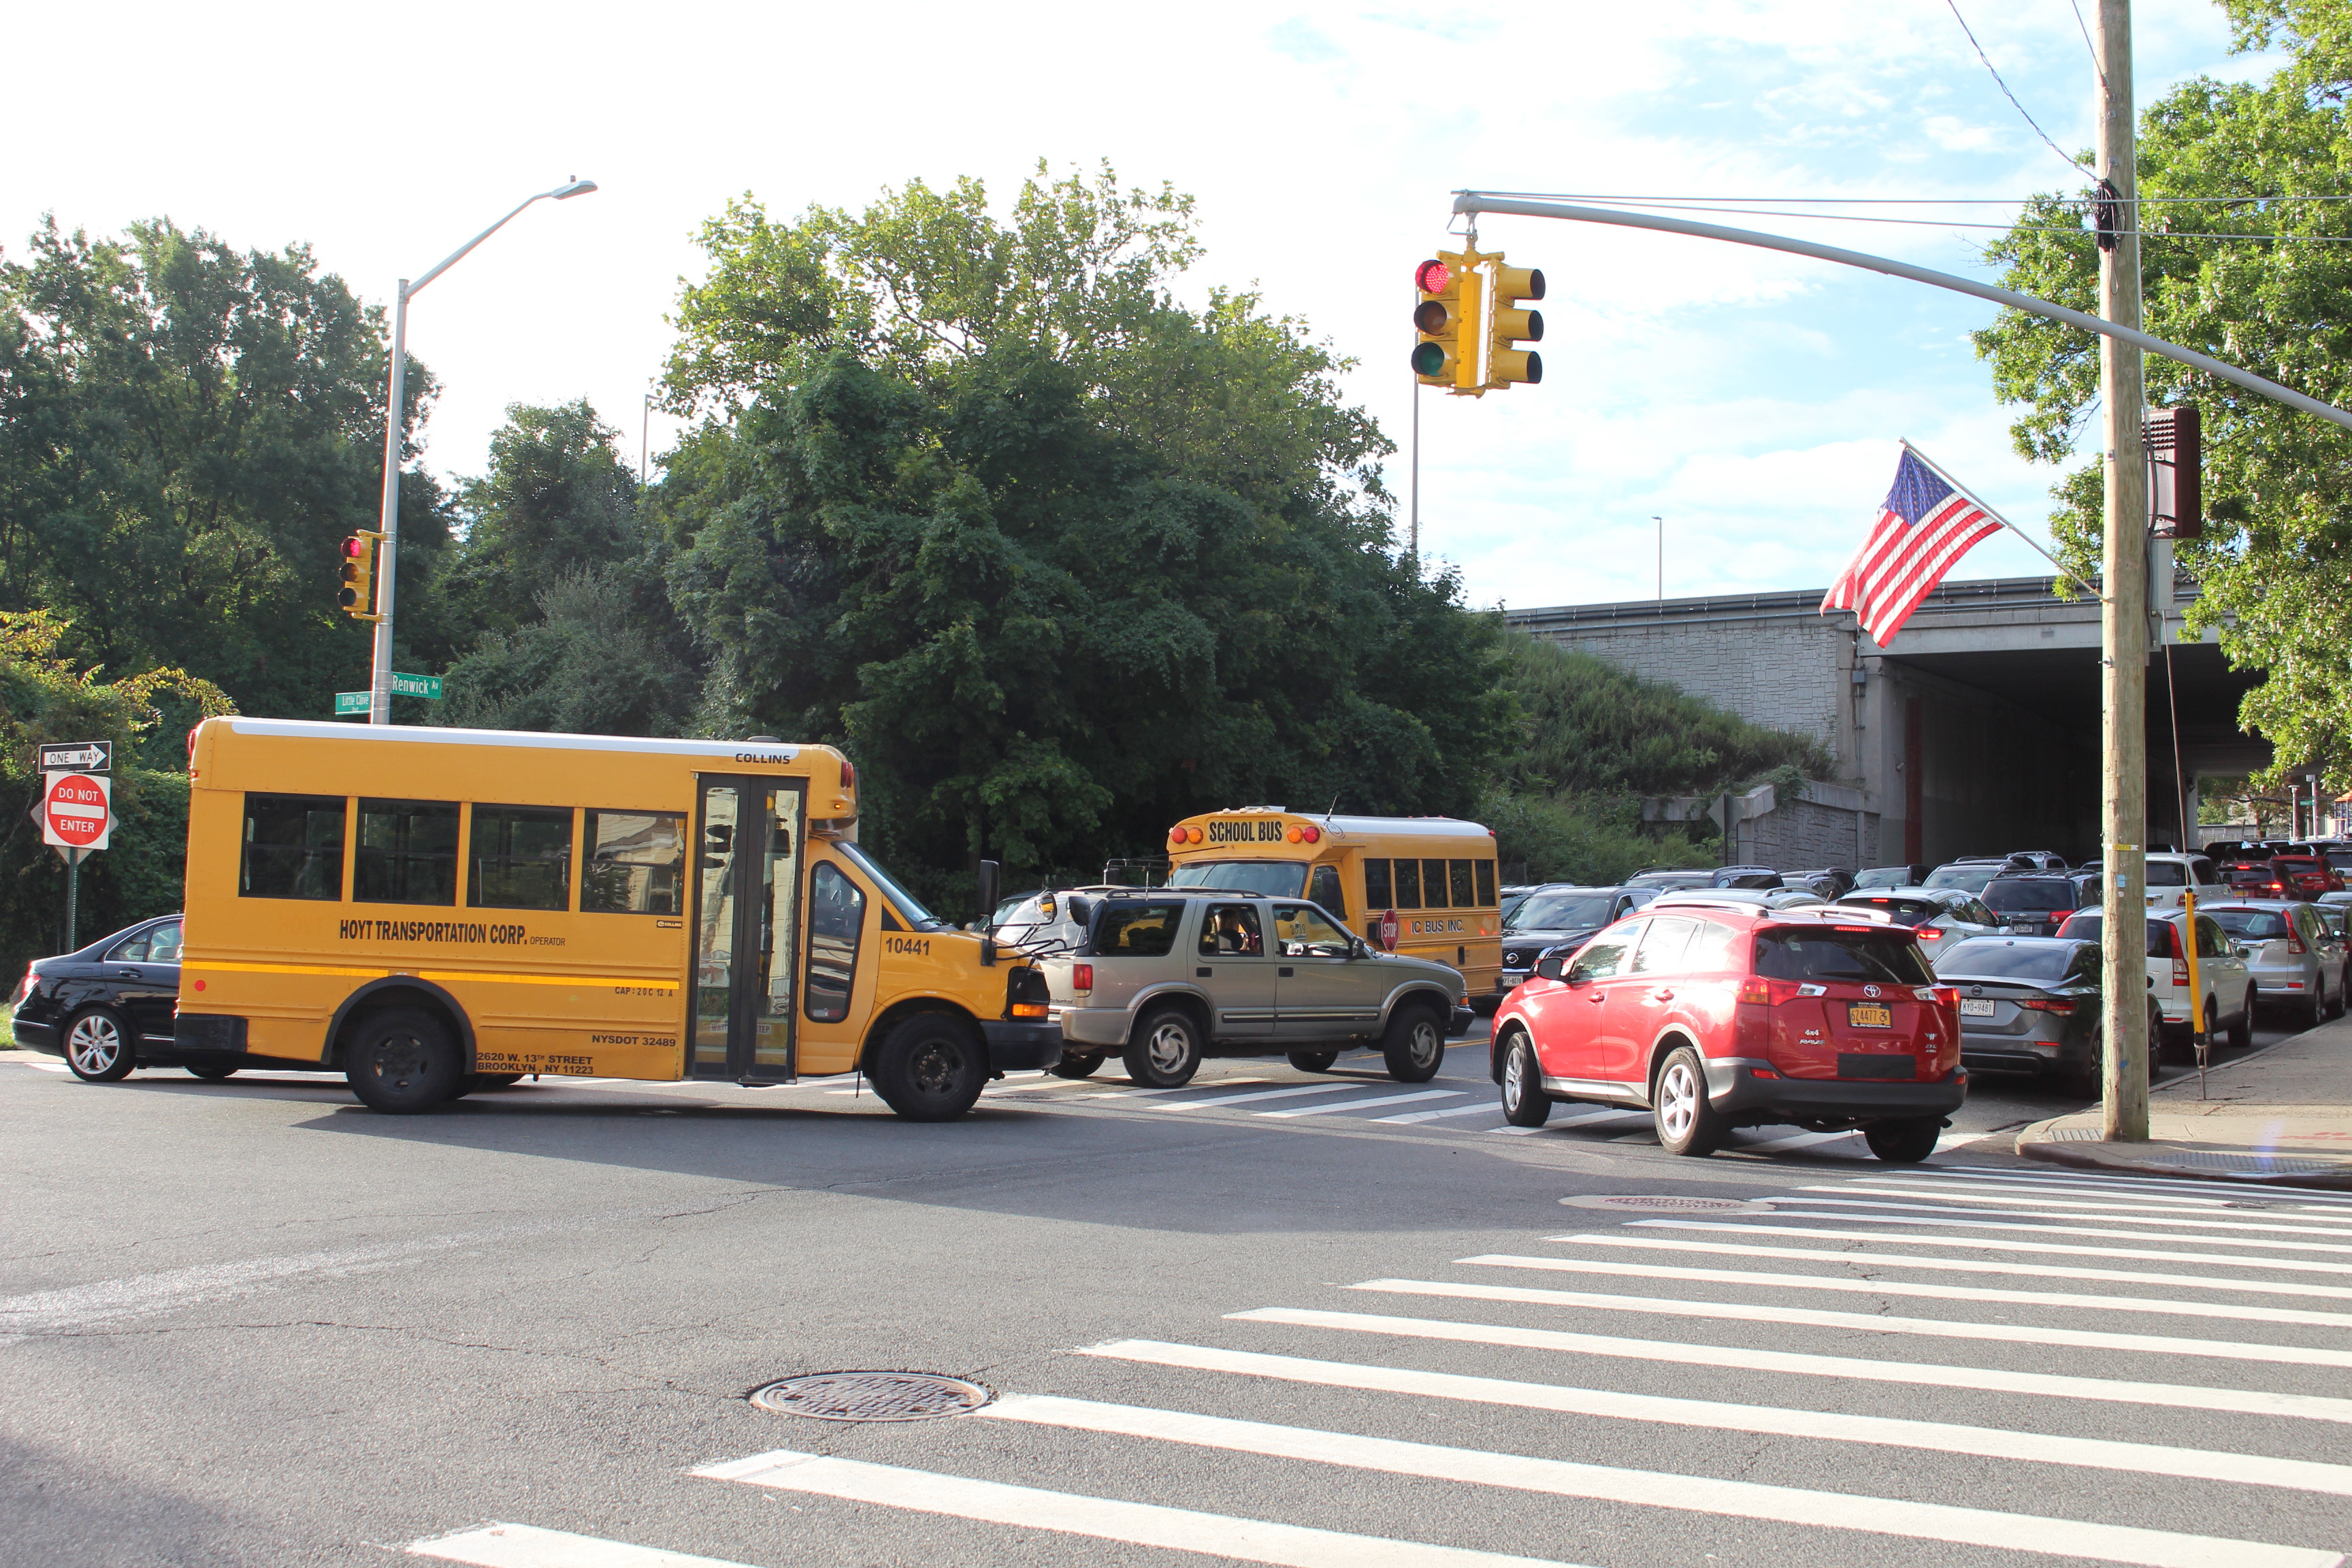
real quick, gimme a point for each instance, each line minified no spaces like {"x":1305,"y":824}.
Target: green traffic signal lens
{"x":1428,"y":359}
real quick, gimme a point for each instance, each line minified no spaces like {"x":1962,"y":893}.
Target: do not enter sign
{"x":78,"y":812}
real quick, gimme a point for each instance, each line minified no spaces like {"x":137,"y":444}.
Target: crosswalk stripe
{"x":1105,"y":1518}
{"x":1795,"y":1140}
{"x":2007,"y":1243}
{"x":1488,"y":1108}
{"x":526,"y":1546}
{"x":2111,"y":1219}
{"x":1653,"y":1489}
{"x":2021,"y":1191}
{"x":1875,"y":1258}
{"x":1939,"y":1436}
{"x":2230,"y":1311}
{"x":2301,"y":1196}
{"x":1972,"y":1223}
{"x":1870,"y":1322}
{"x":1368,"y":1104}
{"x":2084,"y":1208}
{"x":1259,"y":1094}
{"x":1977,"y":1379}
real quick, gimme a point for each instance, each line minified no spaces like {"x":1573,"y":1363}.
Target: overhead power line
{"x":2054,"y":146}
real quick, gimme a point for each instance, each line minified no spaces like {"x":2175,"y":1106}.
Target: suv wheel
{"x":1415,"y":1044}
{"x":1686,"y":1124}
{"x":402,"y":1061}
{"x":1165,"y":1050}
{"x":1525,"y":1103}
{"x":1903,"y":1143}
{"x":1077,"y":1064}
{"x":1314,"y":1061}
{"x":98,"y":1046}
{"x":2242,"y":1033}
{"x":931,"y":1069}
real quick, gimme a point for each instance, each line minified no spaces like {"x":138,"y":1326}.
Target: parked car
{"x":2032,"y":904}
{"x":2031,"y":1003}
{"x":2252,"y":879}
{"x":1890,"y":876}
{"x":1713,"y":1015}
{"x":1665,"y":880}
{"x":2221,"y":974}
{"x":1745,"y":898}
{"x":2032,"y":860}
{"x":1168,"y":976}
{"x":2170,"y":876}
{"x":2305,"y":875}
{"x":1560,"y":917}
{"x":1747,"y":876}
{"x":1938,"y":917}
{"x":1514,"y":896}
{"x":1969,"y":876}
{"x":2293,"y":962}
{"x":1829,"y":881}
{"x":108,"y":1007}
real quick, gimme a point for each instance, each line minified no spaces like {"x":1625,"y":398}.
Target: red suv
{"x":1717,"y":1016}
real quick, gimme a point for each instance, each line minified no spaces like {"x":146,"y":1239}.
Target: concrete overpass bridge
{"x":1977,"y":732}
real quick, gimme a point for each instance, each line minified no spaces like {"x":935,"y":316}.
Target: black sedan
{"x":2031,"y":1004}
{"x":1561,"y":917}
{"x":109,"y":1007}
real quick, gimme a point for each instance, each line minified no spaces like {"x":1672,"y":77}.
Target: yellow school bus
{"x":428,"y":909}
{"x":1434,"y":873}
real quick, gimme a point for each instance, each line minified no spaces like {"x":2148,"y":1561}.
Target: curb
{"x":2081,"y":1156}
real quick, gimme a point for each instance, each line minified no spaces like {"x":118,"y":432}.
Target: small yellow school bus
{"x":1434,"y":873}
{"x":427,"y":910}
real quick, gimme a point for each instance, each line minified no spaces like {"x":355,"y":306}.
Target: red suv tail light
{"x":1948,"y":996}
{"x":1082,"y":978}
{"x":1770,"y":993}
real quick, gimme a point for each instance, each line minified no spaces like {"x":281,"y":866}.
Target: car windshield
{"x":1885,"y":877}
{"x":1560,"y":912}
{"x":1814,"y":953}
{"x":2258,"y":924}
{"x":1902,"y":912}
{"x":1269,"y":878}
{"x":1988,"y":958}
{"x":2030,"y":893}
{"x":909,"y":907}
{"x":1968,"y":878}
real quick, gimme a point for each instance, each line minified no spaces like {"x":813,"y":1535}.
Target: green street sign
{"x":425,"y":686}
{"x":351,"y":703}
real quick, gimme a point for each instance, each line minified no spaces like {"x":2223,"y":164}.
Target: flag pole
{"x":2034,"y":545}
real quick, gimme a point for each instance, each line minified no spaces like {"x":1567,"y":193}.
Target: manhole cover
{"x":1657,"y":1201}
{"x":871,"y":1395}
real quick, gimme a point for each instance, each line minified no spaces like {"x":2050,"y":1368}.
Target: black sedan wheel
{"x":98,"y":1046}
{"x":1077,"y":1064}
{"x":213,"y":1072}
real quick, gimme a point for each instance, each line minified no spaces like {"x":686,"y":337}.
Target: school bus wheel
{"x":930,"y":1069}
{"x":402,"y":1061}
{"x":1077,"y":1064}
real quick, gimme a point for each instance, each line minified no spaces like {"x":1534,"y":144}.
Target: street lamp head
{"x":571,"y":187}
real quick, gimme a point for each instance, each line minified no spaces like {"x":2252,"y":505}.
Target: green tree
{"x":2271,"y":160}
{"x":557,"y":498}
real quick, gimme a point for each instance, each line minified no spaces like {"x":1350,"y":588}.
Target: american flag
{"x":1925,"y":527}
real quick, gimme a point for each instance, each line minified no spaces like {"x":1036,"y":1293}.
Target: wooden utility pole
{"x":2123,"y":772}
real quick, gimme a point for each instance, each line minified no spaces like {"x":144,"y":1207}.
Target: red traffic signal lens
{"x":1428,"y":359}
{"x":1432,"y":277}
{"x":355,"y":547}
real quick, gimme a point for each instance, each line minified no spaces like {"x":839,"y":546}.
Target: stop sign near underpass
{"x":78,"y":812}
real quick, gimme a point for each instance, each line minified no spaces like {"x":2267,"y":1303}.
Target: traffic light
{"x":356,"y":598}
{"x":1439,"y":357}
{"x":1508,"y":323}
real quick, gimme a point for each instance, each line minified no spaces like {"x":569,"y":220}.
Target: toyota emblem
{"x":1870,"y":991}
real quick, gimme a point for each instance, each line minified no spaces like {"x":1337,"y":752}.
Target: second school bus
{"x":425,"y":910}
{"x":1436,"y":873}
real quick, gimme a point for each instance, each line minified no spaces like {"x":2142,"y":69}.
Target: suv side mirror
{"x":1549,"y":966}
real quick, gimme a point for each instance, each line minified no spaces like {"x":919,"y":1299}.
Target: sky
{"x":1753,"y":401}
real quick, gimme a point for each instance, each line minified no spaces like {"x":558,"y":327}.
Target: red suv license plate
{"x":1869,"y":1016}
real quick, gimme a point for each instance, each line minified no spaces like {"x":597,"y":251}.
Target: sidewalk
{"x":2282,"y":1117}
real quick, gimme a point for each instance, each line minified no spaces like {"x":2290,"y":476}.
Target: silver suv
{"x":1166,"y":976}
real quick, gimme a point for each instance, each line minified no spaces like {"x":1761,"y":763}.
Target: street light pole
{"x":395,"y":388}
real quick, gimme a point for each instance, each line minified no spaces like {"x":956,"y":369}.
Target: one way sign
{"x":78,"y":757}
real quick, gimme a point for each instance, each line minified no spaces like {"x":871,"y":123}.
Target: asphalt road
{"x":252,"y":1323}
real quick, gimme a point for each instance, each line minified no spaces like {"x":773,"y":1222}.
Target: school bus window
{"x":293,"y":847}
{"x":836,"y":919}
{"x":407,"y":853}
{"x":1464,"y":885}
{"x":1408,"y":884}
{"x":522,"y":858}
{"x":1325,"y":890}
{"x":1378,"y":892}
{"x":1433,"y":884}
{"x":1485,"y":884}
{"x":635,"y":862}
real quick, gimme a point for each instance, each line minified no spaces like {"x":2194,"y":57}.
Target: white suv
{"x":2170,"y":876}
{"x":2228,"y":980}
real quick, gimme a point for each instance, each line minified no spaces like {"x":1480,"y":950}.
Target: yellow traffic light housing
{"x":1510,"y":323}
{"x":356,"y":597}
{"x":1439,"y":317}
